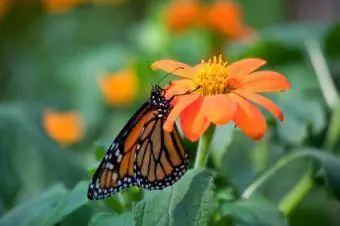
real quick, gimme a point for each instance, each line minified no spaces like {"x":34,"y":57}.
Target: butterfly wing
{"x":115,"y":171}
{"x":161,"y":159}
{"x":143,"y":153}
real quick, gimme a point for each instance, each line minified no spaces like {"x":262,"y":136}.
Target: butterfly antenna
{"x":148,"y":69}
{"x":169,"y":73}
{"x":186,"y":93}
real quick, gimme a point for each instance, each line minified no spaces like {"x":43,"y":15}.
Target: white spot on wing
{"x":109,"y":165}
{"x":119,"y":158}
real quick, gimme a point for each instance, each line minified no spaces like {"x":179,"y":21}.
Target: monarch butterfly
{"x":142,"y":154}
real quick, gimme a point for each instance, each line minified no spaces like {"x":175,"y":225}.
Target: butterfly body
{"x":143,"y":154}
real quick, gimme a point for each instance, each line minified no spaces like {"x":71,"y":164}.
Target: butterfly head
{"x":158,"y":100}
{"x":157,"y":91}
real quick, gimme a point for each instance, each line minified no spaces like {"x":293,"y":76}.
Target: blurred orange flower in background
{"x":64,"y":127}
{"x":3,"y":7}
{"x":222,"y":16}
{"x":119,"y":88}
{"x":183,"y":14}
{"x":60,"y":6}
{"x":109,"y":2}
{"x":225,"y":17}
{"x":225,"y":93}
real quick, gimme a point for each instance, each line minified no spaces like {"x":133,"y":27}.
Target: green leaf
{"x":292,"y":129}
{"x":35,"y":211}
{"x":254,"y":211}
{"x":333,"y":133}
{"x":49,"y":208}
{"x":188,"y":202}
{"x":302,"y":116}
{"x":332,"y":47}
{"x":332,"y":174}
{"x":91,"y":171}
{"x":236,"y":162}
{"x":330,"y":169}
{"x":261,"y":154}
{"x":303,"y":80}
{"x":226,"y":194}
{"x":279,"y":53}
{"x":296,"y":33}
{"x":70,"y":202}
{"x":329,"y":166}
{"x":222,"y":138}
{"x":103,"y":219}
{"x":101,"y":149}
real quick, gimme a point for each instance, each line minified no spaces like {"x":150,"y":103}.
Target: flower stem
{"x":322,"y":72}
{"x":298,"y":192}
{"x":269,"y":173}
{"x":203,"y":147}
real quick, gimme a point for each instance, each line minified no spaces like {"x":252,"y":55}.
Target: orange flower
{"x":60,"y":6}
{"x":120,"y":88}
{"x":64,"y":127}
{"x":112,"y":2}
{"x":226,"y":18}
{"x":222,"y":16}
{"x":3,"y":7}
{"x":224,"y":93}
{"x":182,"y":14}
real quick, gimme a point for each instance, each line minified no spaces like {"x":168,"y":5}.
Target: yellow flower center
{"x":212,"y":77}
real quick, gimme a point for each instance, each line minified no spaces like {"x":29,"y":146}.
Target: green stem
{"x":269,"y":173}
{"x":203,"y":147}
{"x":298,"y":192}
{"x":322,"y":72}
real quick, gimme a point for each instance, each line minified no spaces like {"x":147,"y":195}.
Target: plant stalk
{"x":203,"y":147}
{"x":322,"y":72}
{"x":270,"y":172}
{"x":296,"y":194}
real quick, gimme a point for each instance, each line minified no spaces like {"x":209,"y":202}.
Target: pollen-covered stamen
{"x":213,"y":77}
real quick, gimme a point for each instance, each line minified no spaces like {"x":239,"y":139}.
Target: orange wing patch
{"x":108,"y":179}
{"x":116,"y":170}
{"x":134,"y":134}
{"x":174,"y":156}
{"x":161,"y":158}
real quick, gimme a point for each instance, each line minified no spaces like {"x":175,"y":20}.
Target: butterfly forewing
{"x":115,"y":171}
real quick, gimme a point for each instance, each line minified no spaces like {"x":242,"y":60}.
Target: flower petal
{"x":239,"y":69}
{"x":193,"y":122}
{"x":179,"y":87}
{"x":219,"y":109}
{"x":265,"y":81}
{"x":174,"y":67}
{"x":182,"y":102}
{"x":198,"y":66}
{"x":249,"y":119}
{"x":263,"y":101}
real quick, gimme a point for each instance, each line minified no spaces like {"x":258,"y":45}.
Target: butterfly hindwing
{"x":160,"y":164}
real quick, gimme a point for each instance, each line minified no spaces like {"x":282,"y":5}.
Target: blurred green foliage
{"x":55,"y":60}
